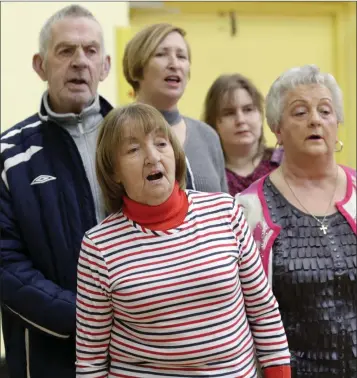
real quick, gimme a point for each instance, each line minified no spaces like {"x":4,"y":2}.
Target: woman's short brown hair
{"x":227,"y":85}
{"x":140,"y":118}
{"x":142,"y":47}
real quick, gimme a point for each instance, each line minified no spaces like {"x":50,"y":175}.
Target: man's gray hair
{"x":74,"y":11}
{"x":292,"y":78}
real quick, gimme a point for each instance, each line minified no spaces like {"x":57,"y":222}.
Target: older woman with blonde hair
{"x":157,"y":65}
{"x":303,"y":217}
{"x":171,"y":283}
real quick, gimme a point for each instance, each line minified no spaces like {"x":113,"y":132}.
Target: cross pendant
{"x":323,"y":228}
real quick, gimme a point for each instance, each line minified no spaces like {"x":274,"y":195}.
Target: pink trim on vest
{"x":340,"y":205}
{"x":265,"y":252}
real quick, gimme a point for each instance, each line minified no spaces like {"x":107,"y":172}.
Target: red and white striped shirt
{"x":192,"y":301}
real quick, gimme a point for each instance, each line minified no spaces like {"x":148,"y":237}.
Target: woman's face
{"x":166,"y":73}
{"x":146,"y":167}
{"x":240,"y":122}
{"x":308,"y":124}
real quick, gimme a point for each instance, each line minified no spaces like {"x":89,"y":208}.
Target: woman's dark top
{"x":314,"y":281}
{"x":270,"y":161}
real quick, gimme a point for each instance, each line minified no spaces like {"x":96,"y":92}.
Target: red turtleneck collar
{"x":165,"y":216}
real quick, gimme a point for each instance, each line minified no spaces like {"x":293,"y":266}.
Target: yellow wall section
{"x":263,"y":47}
{"x":124,"y":90}
{"x":271,"y":37}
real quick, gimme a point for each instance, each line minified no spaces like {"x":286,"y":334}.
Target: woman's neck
{"x":312,"y":186}
{"x":309,"y":169}
{"x":163,"y":104}
{"x":242,"y":159}
{"x":169,"y":214}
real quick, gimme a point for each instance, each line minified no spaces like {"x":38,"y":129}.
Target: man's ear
{"x":105,"y":68}
{"x":38,"y":66}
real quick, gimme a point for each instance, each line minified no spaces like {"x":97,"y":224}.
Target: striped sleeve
{"x":94,"y":313}
{"x":261,"y":306}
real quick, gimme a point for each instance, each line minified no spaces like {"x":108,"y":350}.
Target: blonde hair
{"x":142,"y":47}
{"x":138,"y":118}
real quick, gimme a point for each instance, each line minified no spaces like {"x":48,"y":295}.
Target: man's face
{"x":74,"y":64}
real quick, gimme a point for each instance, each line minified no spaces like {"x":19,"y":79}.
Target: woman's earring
{"x":341,"y":146}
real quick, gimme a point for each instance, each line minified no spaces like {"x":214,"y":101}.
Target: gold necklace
{"x":323,"y":227}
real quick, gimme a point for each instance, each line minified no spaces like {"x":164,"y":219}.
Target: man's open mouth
{"x":77,"y":81}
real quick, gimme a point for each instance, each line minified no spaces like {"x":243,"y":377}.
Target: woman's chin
{"x":174,"y":94}
{"x":156,"y":201}
{"x":245,"y":142}
{"x":158,"y":194}
{"x":318,"y":151}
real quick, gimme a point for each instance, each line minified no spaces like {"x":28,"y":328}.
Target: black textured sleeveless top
{"x":314,"y":281}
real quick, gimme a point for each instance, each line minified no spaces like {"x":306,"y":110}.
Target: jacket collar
{"x":100,"y":104}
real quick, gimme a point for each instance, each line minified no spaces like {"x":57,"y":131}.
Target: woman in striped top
{"x":171,"y":283}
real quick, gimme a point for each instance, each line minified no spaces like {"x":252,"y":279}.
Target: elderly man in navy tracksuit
{"x":50,"y":197}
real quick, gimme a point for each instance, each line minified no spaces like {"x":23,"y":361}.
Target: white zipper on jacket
{"x":80,"y":126}
{"x":27,"y":348}
{"x":93,"y":178}
{"x":38,"y":326}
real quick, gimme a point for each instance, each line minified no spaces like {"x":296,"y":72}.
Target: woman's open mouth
{"x":314,"y":137}
{"x":155,"y":176}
